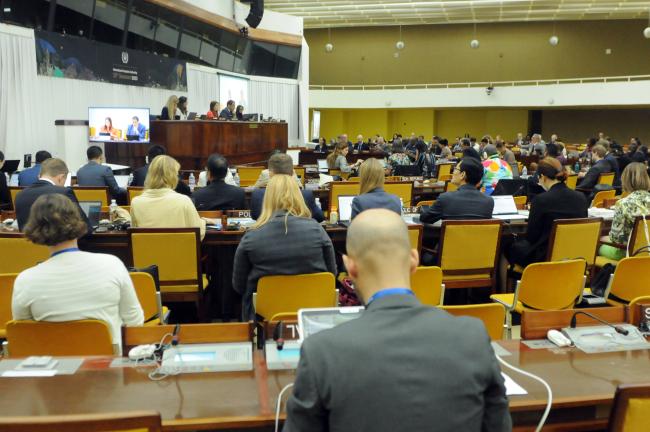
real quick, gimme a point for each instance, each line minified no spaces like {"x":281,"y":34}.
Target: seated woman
{"x":321,"y":147}
{"x":160,"y":206}
{"x":72,"y":285}
{"x":558,"y":202}
{"x":109,"y":130}
{"x":169,"y":110}
{"x":398,"y":155}
{"x":636,"y":183}
{"x":285,"y":240}
{"x":239,"y":112}
{"x":371,"y":176}
{"x":213,"y":113}
{"x":337,"y":159}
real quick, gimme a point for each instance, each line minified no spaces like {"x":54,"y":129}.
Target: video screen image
{"x":118,"y":124}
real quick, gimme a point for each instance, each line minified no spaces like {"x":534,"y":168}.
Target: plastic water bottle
{"x":334,"y":217}
{"x":318,"y":203}
{"x":236,"y":178}
{"x":192,"y":182}
{"x":112,"y":210}
{"x":524,"y":172}
{"x":130,"y":181}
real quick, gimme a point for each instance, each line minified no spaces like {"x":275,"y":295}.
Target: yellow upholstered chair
{"x":287,"y":294}
{"x":92,"y":193}
{"x":450,"y":187}
{"x":403,"y":190}
{"x":13,"y":192}
{"x":300,"y":172}
{"x":415,"y":237}
{"x":606,"y":178}
{"x":630,"y":280}
{"x":71,"y":338}
{"x":145,"y":288}
{"x":344,"y":176}
{"x":600,"y":197}
{"x":425,"y":203}
{"x":132,"y":192}
{"x":177,"y":253}
{"x":18,"y":254}
{"x":248,"y":175}
{"x":545,"y":286}
{"x":458,"y":155}
{"x":132,"y":421}
{"x":572,"y":181}
{"x":341,"y":188}
{"x":427,"y":285}
{"x":492,"y":314}
{"x":630,"y":409}
{"x":6,"y":292}
{"x":444,"y":171}
{"x":393,"y":178}
{"x":469,"y":267}
{"x":92,"y":130}
{"x":520,"y":201}
{"x":639,"y":244}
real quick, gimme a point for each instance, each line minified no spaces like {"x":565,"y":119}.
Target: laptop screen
{"x":504,"y":204}
{"x":92,"y":209}
{"x":122,"y":181}
{"x":312,"y":321}
{"x":515,"y":170}
{"x":322,"y":166}
{"x":345,"y":207}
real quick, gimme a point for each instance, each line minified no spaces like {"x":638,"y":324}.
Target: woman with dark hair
{"x":337,"y":159}
{"x":108,"y":129}
{"x":558,"y":202}
{"x":72,"y":285}
{"x":239,"y":112}
{"x":214,"y":110}
{"x":321,"y":147}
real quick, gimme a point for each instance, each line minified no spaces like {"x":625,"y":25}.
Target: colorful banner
{"x":78,"y":58}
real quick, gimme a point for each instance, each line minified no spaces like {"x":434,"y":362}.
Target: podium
{"x":190,"y":142}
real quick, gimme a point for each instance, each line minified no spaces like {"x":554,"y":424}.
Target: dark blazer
{"x":5,"y":196}
{"x":613,"y":162}
{"x":257,"y":198}
{"x":140,"y":175}
{"x":470,"y":152}
{"x":164,"y":115}
{"x":25,"y":199}
{"x":361,"y":147}
{"x":591,"y":178}
{"x":465,"y":203}
{"x":226,"y":114}
{"x":401,"y":366}
{"x":300,"y":246}
{"x":29,"y":176}
{"x":321,"y":148}
{"x":374,"y":199}
{"x":559,"y":202}
{"x":94,"y":174}
{"x":219,"y":196}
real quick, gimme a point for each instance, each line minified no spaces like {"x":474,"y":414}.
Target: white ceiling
{"x":351,"y":13}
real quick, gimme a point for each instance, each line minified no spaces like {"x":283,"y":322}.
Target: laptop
{"x":322,"y":166}
{"x":312,"y":321}
{"x":504,"y":205}
{"x":191,"y":116}
{"x":250,"y":117}
{"x":133,"y":137}
{"x":122,"y":180}
{"x":92,"y":209}
{"x":345,"y":209}
{"x":515,"y":170}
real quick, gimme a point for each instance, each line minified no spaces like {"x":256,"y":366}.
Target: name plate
{"x":238,"y":213}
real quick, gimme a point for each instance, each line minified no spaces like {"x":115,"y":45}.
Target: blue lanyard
{"x":389,"y":292}
{"x":64,"y":251}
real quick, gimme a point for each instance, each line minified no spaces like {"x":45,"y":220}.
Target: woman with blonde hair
{"x":160,"y":206}
{"x":636,"y":183}
{"x":337,"y":159}
{"x":371,"y":176}
{"x":169,"y":110}
{"x":285,"y":240}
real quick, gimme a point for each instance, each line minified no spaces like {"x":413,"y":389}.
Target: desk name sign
{"x":644,"y":318}
{"x":238,"y":213}
{"x":412,"y":178}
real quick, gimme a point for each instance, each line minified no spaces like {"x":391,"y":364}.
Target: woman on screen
{"x":169,"y":110}
{"x":214,"y":110}
{"x":108,"y":130}
{"x":240,"y":112}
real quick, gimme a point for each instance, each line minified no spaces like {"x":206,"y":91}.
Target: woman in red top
{"x":214,"y":110}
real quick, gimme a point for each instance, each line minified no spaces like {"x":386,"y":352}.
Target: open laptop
{"x":122,"y":181}
{"x":92,"y":209}
{"x":504,"y":205}
{"x":191,"y":116}
{"x":515,"y":170}
{"x":312,"y":321}
{"x":345,"y":209}
{"x":133,"y":137}
{"x":322,"y":166}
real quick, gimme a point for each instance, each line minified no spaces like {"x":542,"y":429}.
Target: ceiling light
{"x":474,"y":43}
{"x":554,"y":40}
{"x":646,"y":32}
{"x":329,"y":47}
{"x":400,"y":45}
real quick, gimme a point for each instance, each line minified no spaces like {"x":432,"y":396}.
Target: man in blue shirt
{"x":136,"y":128}
{"x":228,"y":111}
{"x":29,"y":176}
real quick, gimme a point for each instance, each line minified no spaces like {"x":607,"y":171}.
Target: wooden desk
{"x":191,"y":142}
{"x":583,"y":388}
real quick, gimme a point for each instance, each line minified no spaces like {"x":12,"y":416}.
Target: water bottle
{"x":401,"y":203}
{"x":130,"y":181}
{"x":236,"y":178}
{"x":334,"y":217}
{"x":112,"y":210}
{"x":192,"y":182}
{"x":524,"y":172}
{"x":318,"y":203}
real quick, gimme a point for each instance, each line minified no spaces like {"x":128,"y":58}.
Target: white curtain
{"x":202,"y":88}
{"x":18,"y":96}
{"x":278,"y":100}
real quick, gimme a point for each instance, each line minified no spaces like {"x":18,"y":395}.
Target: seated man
{"x":218,"y":195}
{"x":53,"y":175}
{"x":96,"y":174}
{"x":495,"y":169}
{"x":281,"y":163}
{"x":465,"y":203}
{"x":137,"y":128}
{"x":140,"y":174}
{"x":600,"y":166}
{"x":264,"y":177}
{"x":29,"y":176}
{"x":432,"y":372}
{"x":360,"y":146}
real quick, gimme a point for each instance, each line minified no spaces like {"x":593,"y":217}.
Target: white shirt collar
{"x":48,"y":180}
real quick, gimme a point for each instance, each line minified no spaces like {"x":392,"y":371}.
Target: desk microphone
{"x":618,"y":329}
{"x":175,"y":337}
{"x":277,"y":335}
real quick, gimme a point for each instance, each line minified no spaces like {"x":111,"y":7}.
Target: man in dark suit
{"x":228,"y":112}
{"x":282,"y":163}
{"x":360,"y":146}
{"x":140,"y":174}
{"x":468,"y":150}
{"x":30,"y":175}
{"x":96,"y":174}
{"x":52,"y":180}
{"x":401,"y":366}
{"x":600,"y":166}
{"x":467,"y":202}
{"x":218,"y":195}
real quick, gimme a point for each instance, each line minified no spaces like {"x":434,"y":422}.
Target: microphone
{"x":277,"y":335}
{"x":175,"y":337}
{"x":618,"y":329}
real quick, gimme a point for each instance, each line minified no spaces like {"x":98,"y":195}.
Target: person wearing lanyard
{"x":71,"y":284}
{"x":400,"y":366}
